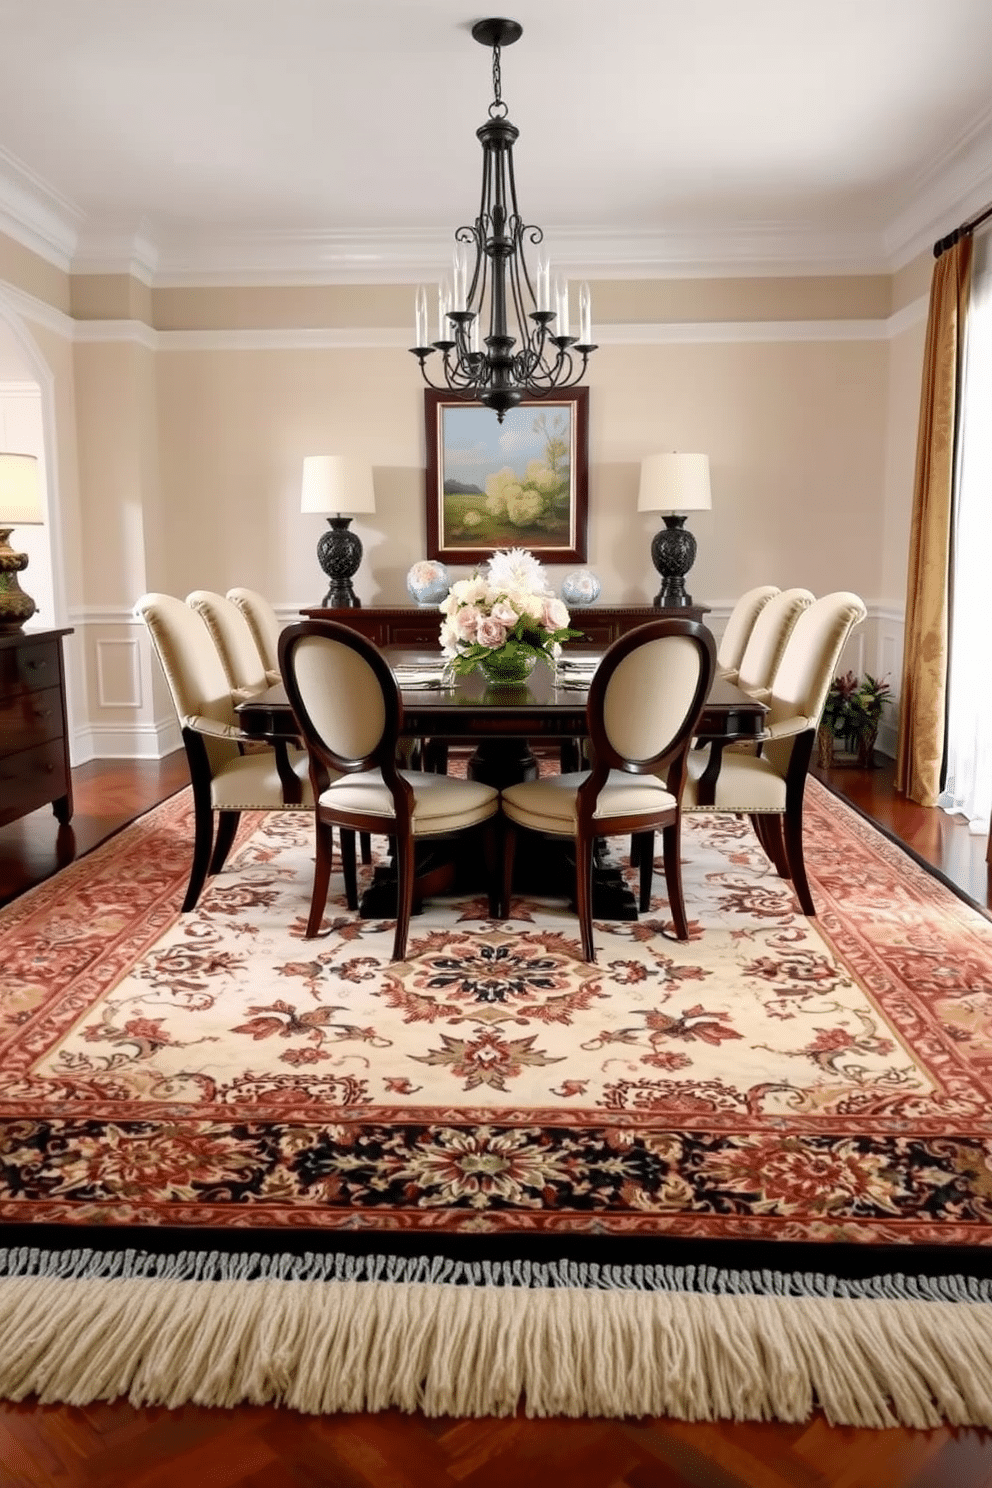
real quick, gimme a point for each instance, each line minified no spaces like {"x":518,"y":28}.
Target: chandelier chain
{"x":497,"y":109}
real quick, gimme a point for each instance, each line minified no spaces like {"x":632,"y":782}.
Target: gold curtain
{"x":924,"y":668}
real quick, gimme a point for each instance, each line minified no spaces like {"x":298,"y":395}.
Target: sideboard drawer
{"x":30,"y":718}
{"x":32,"y":777}
{"x":30,"y":667}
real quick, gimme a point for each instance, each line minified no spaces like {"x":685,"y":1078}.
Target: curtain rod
{"x":942,"y":244}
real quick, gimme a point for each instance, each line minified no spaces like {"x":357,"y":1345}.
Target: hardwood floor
{"x":114,"y":1445}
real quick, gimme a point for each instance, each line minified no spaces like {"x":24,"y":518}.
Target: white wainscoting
{"x":117,"y":649}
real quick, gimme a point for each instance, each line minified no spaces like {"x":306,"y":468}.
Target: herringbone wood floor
{"x":114,"y":1445}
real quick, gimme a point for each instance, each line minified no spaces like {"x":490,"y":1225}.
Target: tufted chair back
{"x":803,"y":677}
{"x":264,"y":625}
{"x":769,"y":636}
{"x":235,"y":643}
{"x":197,"y":680}
{"x":739,"y":627}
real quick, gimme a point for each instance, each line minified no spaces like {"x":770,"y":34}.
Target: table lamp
{"x":20,"y":506}
{"x":332,"y":486}
{"x":674,"y":484}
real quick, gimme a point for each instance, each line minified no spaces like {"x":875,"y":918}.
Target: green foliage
{"x":854,"y":707}
{"x":526,"y":638}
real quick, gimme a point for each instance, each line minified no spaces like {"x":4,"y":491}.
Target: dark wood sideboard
{"x":410,"y":625}
{"x":34,"y":731}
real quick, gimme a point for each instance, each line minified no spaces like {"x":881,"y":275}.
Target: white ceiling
{"x":336,"y":138}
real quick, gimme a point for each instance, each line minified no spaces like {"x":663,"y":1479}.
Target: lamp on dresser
{"x":674,"y":484}
{"x":20,"y":506}
{"x":338,"y":489}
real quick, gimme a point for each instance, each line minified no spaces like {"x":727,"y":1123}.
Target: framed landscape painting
{"x":522,"y":483}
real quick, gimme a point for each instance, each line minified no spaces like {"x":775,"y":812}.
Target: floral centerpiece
{"x":503,"y":619}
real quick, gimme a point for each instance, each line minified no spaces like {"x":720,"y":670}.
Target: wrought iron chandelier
{"x":538,"y":356}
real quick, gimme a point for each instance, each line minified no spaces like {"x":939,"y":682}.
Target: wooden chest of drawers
{"x":34,"y":734}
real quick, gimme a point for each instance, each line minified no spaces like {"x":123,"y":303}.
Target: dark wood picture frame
{"x":555,"y":532}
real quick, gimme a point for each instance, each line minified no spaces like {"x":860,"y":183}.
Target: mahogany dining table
{"x":550,"y":707}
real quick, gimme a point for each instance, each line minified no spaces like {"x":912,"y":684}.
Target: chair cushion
{"x":443,"y":804}
{"x":746,"y":782}
{"x":548,"y":805}
{"x":250,"y":782}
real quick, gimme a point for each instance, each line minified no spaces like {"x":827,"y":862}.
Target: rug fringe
{"x":322,"y":1334}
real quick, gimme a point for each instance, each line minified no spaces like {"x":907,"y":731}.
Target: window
{"x":968,"y":786}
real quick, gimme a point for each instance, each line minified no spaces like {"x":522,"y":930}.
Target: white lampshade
{"x":332,"y":483}
{"x":674,"y":483}
{"x":20,"y":491}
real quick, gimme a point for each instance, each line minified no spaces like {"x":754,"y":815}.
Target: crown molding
{"x":35,"y":215}
{"x":946,"y":191}
{"x":372,"y":338}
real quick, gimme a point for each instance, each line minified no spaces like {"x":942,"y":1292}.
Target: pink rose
{"x":504,"y":612}
{"x":465,"y":621}
{"x":490,"y":632}
{"x":555,"y":614}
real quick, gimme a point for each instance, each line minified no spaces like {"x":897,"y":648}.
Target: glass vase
{"x":501,"y":669}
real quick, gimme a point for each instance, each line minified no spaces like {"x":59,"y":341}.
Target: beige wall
{"x":181,"y":438}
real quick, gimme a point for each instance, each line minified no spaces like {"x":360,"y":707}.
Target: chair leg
{"x":671,"y":841}
{"x":226,"y":829}
{"x":404,"y":893}
{"x":635,"y":850}
{"x":348,"y":867}
{"x":203,"y":836}
{"x":321,"y":878}
{"x":365,"y":839}
{"x":645,"y":861}
{"x":768,"y":830}
{"x":509,"y":848}
{"x":793,"y":835}
{"x":491,"y":858}
{"x":583,"y":894}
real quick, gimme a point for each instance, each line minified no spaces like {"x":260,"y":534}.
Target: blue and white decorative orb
{"x":580,"y":588}
{"x":427,"y":582}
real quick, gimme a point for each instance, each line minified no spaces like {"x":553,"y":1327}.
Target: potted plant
{"x":852,"y":713}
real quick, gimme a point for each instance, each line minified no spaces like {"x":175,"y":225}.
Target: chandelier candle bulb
{"x":585,"y":316}
{"x":543,"y":284}
{"x":444,"y":329}
{"x":420,"y":317}
{"x":460,"y":278}
{"x":561,"y":305}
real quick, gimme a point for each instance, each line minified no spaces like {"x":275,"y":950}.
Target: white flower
{"x":449,"y":638}
{"x":505,"y":613}
{"x":555,"y":615}
{"x":471,"y":519}
{"x":496,"y":504}
{"x":516,"y":569}
{"x":465,"y":621}
{"x":524,"y":507}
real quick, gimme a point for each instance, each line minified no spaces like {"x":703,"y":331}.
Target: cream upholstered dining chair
{"x":644,"y":703}
{"x":737,"y":631}
{"x":235,"y":642}
{"x":264,"y":625}
{"x":225,"y":781}
{"x":769,"y":636}
{"x":347,"y":703}
{"x":769,"y":786}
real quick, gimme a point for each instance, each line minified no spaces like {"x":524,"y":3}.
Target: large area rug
{"x":740,"y":1176}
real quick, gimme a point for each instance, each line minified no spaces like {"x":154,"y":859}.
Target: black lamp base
{"x":339,"y":553}
{"x":673,"y":551}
